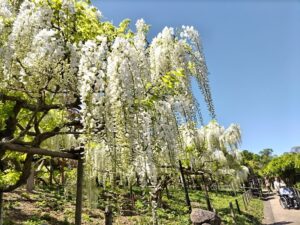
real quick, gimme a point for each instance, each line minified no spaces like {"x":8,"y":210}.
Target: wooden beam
{"x":34,"y":150}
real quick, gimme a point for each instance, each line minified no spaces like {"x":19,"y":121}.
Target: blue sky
{"x":252,"y":50}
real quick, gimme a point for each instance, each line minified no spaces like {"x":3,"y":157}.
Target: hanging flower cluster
{"x":214,"y":149}
{"x":140,"y":92}
{"x":5,"y":13}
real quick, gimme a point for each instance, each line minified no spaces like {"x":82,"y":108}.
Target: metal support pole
{"x":79,"y":192}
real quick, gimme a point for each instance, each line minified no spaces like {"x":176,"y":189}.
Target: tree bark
{"x":108,"y":215}
{"x":51,"y":172}
{"x":24,"y":176}
{"x":35,"y":150}
{"x":62,"y":171}
{"x":30,"y":180}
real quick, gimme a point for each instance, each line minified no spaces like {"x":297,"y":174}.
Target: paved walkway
{"x":274,"y":214}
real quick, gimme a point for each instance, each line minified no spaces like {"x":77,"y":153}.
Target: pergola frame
{"x":75,"y":154}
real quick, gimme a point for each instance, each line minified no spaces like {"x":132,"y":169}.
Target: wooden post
{"x":130,"y":190}
{"x":233,"y":189}
{"x":246,"y":197}
{"x":211,"y":178}
{"x":131,"y":195}
{"x":79,"y":192}
{"x":245,"y":204}
{"x":209,"y":207}
{"x":51,"y":171}
{"x":260,"y":193}
{"x":108,"y":215}
{"x":167,"y":192}
{"x":215,"y":211}
{"x":208,"y":203}
{"x":1,"y":207}
{"x":237,"y":206}
{"x":62,"y":171}
{"x":187,"y":198}
{"x":232,"y":212}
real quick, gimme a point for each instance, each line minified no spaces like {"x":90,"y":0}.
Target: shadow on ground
{"x":282,"y":223}
{"x":240,"y":218}
{"x":19,"y":216}
{"x":268,"y":196}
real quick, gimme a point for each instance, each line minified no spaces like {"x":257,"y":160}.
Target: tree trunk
{"x":24,"y":176}
{"x":108,"y":215}
{"x":30,"y":180}
{"x":154,"y":213}
{"x":62,"y":171}
{"x":51,"y":172}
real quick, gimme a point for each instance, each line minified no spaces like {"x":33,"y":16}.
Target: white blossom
{"x":134,"y":94}
{"x":5,"y":9}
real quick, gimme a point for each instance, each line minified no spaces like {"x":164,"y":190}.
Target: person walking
{"x":277,"y":184}
{"x":282,"y":183}
{"x":268,"y":185}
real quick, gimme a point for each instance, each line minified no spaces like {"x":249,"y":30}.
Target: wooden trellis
{"x":75,"y":154}
{"x":187,"y":198}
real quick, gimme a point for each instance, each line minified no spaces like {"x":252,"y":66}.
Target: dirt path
{"x":274,"y":214}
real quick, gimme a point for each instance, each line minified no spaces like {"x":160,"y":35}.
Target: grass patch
{"x":50,"y":207}
{"x":175,"y":211}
